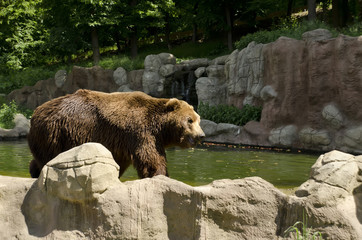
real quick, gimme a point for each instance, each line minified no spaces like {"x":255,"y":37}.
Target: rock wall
{"x":309,"y":89}
{"x":94,"y":78}
{"x":79,"y":195}
{"x":317,"y":85}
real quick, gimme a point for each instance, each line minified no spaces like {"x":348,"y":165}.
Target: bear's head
{"x":185,"y":123}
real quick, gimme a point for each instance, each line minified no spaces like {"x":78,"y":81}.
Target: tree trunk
{"x":167,"y":29}
{"x":312,"y":14}
{"x":194,"y":23}
{"x":340,"y":13}
{"x":230,"y":27}
{"x":194,"y":32}
{"x":325,"y":4}
{"x":118,"y":42}
{"x":290,"y":8}
{"x":134,"y":38}
{"x":95,"y":46}
{"x":69,"y":58}
{"x":134,"y":42}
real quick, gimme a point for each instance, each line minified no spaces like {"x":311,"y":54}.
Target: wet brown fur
{"x":135,"y":127}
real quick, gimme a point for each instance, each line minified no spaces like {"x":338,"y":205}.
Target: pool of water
{"x":196,"y":166}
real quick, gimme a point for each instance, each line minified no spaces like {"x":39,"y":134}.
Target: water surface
{"x":196,"y":166}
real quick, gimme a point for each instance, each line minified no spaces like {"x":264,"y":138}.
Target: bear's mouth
{"x":192,"y":141}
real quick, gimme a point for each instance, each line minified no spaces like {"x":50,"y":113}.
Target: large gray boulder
{"x":252,"y":133}
{"x":157,"y":68}
{"x":221,"y":132}
{"x":60,"y":78}
{"x":352,"y":139}
{"x":245,"y":75}
{"x":79,"y":174}
{"x":211,"y":90}
{"x":283,"y":136}
{"x":134,"y":79}
{"x":314,"y":139}
{"x":333,"y":194}
{"x":21,"y":129}
{"x":317,"y":35}
{"x":153,"y":83}
{"x":120,"y":76}
{"x":333,"y":116}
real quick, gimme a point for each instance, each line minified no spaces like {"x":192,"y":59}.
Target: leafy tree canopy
{"x":36,"y":32}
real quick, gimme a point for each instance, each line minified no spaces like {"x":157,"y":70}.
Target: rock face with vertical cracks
{"x":81,"y":197}
{"x":318,"y":85}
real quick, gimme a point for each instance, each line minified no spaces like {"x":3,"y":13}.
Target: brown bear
{"x":135,"y":127}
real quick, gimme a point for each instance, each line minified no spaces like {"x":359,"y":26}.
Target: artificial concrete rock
{"x":79,"y":174}
{"x":313,"y":138}
{"x":21,"y":129}
{"x":245,"y":75}
{"x":60,"y":78}
{"x":283,"y":136}
{"x":312,"y":84}
{"x":199,"y":72}
{"x":333,"y":116}
{"x":120,"y":76}
{"x":211,"y":91}
{"x":163,"y":208}
{"x":317,"y":35}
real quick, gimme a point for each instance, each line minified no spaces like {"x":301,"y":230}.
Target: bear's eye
{"x":189,"y":120}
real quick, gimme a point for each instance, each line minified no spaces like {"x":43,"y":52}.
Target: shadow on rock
{"x":44,"y":214}
{"x":357,"y":194}
{"x":65,"y":196}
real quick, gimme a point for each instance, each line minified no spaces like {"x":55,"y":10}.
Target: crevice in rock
{"x":329,"y":184}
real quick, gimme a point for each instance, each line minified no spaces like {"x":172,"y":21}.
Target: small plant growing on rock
{"x":305,"y":233}
{"x":229,"y":114}
{"x":7,"y":113}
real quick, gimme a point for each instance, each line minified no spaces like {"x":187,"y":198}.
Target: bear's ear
{"x":172,"y":104}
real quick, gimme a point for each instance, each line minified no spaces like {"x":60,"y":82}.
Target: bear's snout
{"x":201,"y":135}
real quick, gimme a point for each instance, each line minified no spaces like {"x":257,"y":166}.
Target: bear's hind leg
{"x":122,"y":169}
{"x":34,"y":169}
{"x":151,"y":167}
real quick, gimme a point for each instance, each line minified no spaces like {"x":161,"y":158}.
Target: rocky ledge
{"x":78,"y":195}
{"x":21,"y":129}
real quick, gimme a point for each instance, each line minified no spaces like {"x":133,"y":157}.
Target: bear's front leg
{"x":150,"y":161}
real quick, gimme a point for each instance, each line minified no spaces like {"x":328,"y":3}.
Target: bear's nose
{"x":201,"y":135}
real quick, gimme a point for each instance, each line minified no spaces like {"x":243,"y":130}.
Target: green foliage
{"x":207,"y":49}
{"x":305,"y":233}
{"x":29,"y":76}
{"x":288,"y":28}
{"x":229,"y":114}
{"x":25,"y":77}
{"x":354,"y":29}
{"x":37,"y":33}
{"x":21,"y":34}
{"x":126,"y":62}
{"x":7,"y":113}
{"x":293,"y":28}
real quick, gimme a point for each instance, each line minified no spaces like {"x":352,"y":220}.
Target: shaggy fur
{"x":135,"y":127}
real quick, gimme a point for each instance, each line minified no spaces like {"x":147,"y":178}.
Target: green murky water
{"x":197,"y":166}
